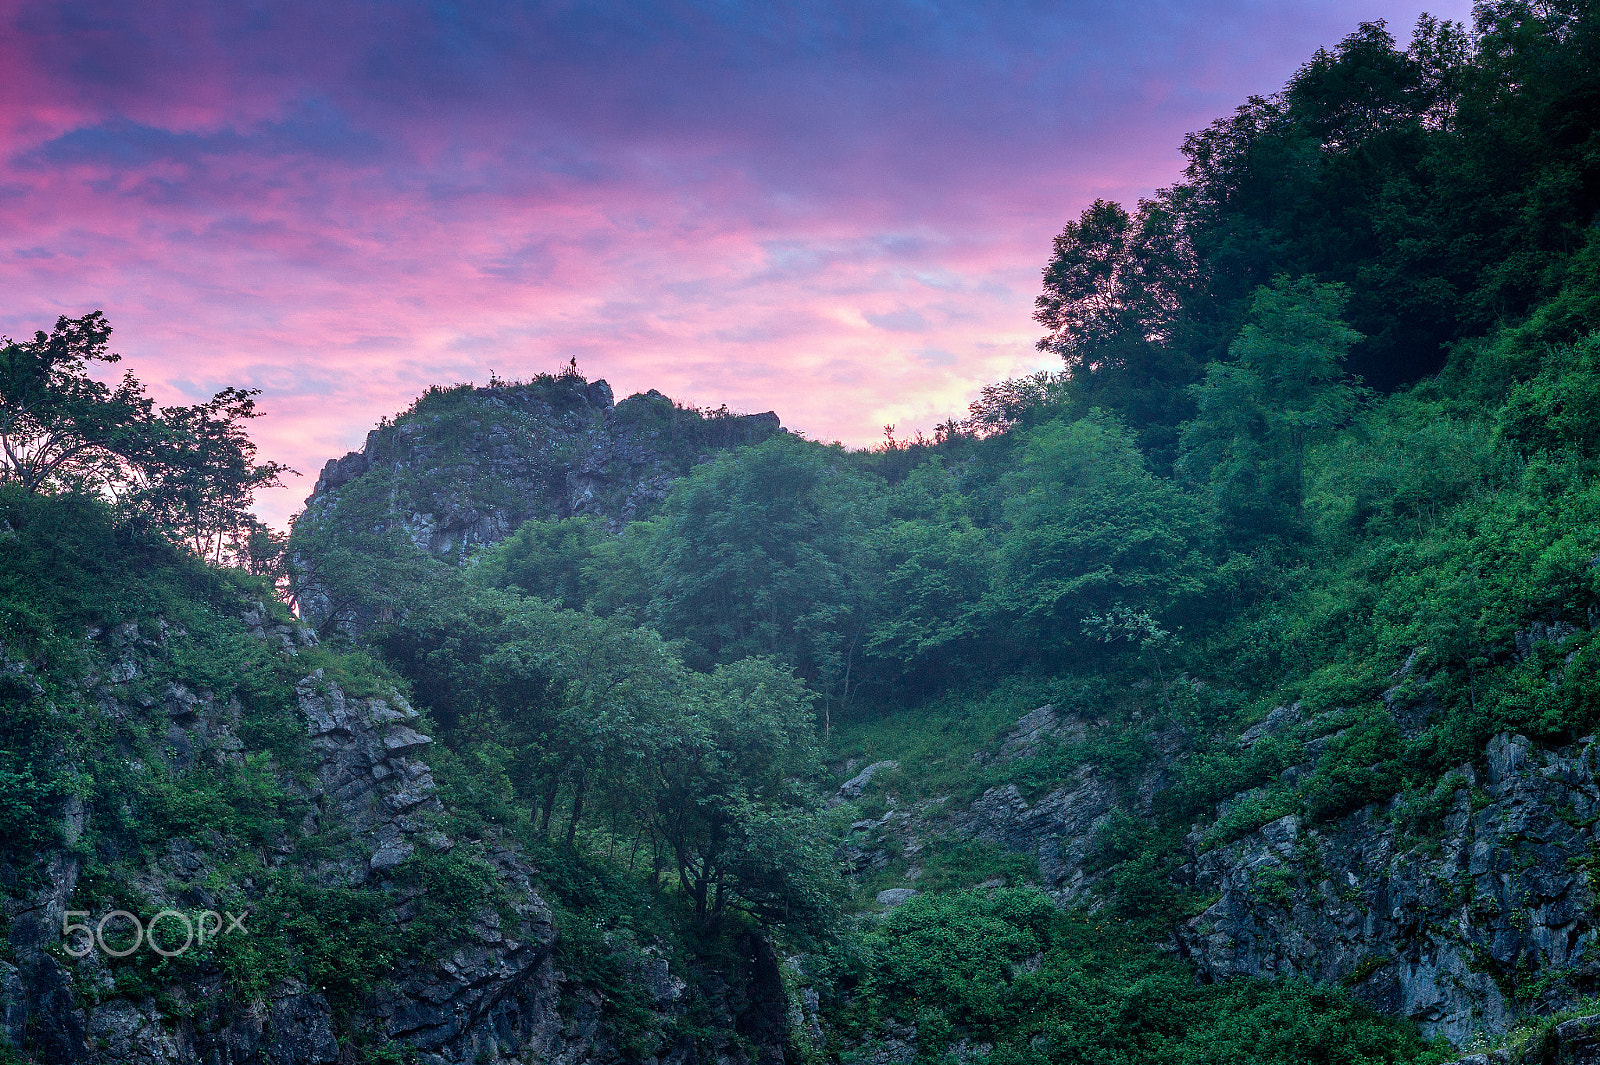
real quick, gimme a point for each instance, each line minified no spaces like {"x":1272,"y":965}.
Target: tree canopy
{"x":185,"y":472}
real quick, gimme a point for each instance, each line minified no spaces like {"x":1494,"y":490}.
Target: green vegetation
{"x":1327,"y":437}
{"x":1039,"y":984}
{"x":186,"y":474}
{"x":103,"y":626}
{"x":505,"y":449}
{"x":1211,"y":512}
{"x":571,"y":719}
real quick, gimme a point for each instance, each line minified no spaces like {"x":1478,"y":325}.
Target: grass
{"x":935,"y":742}
{"x":1534,"y":1034}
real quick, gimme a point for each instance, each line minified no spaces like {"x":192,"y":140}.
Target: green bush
{"x":1049,"y":986}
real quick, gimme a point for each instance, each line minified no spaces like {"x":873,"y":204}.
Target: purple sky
{"x":838,"y":211}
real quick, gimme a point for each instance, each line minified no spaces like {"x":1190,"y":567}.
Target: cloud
{"x":310,"y":130}
{"x":904,"y":320}
{"x":731,"y":201}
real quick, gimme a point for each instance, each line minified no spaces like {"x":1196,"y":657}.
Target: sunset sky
{"x":838,"y":211}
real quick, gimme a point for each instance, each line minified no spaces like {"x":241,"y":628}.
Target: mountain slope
{"x":181,"y":753}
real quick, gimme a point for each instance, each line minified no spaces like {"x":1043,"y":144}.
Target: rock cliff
{"x":365,"y":818}
{"x":1571,"y":1042}
{"x":1469,"y":921}
{"x":466,"y":466}
{"x":1466,"y":925}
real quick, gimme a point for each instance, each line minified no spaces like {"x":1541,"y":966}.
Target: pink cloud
{"x":837,"y":218}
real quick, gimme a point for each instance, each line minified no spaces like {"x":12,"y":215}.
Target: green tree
{"x":938,"y":563}
{"x":587,"y":696}
{"x":728,"y":799}
{"x":1090,"y":527}
{"x":1111,"y":277}
{"x":1560,"y":406}
{"x":60,"y":428}
{"x":187,"y":473}
{"x":1114,"y":294}
{"x":768,"y":550}
{"x":196,"y":476}
{"x":1284,"y":390}
{"x":1018,"y":401}
{"x":1332,"y":177}
{"x":596,"y":723}
{"x":546,"y":559}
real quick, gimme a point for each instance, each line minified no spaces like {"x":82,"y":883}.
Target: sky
{"x":835,"y":210}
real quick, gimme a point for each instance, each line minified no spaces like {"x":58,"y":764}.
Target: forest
{"x":1325,"y":436}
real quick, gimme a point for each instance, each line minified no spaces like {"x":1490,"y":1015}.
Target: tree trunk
{"x":578,"y":791}
{"x":550,"y":793}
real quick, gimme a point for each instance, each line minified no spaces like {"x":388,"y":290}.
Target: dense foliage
{"x":187,"y":473}
{"x":1450,"y":185}
{"x":1209,"y":513}
{"x":102,"y":625}
{"x":572,"y":720}
{"x":1049,"y":987}
{"x":1327,"y":433}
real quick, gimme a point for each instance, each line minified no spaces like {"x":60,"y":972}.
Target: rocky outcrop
{"x":1060,"y":828}
{"x":889,"y":898}
{"x":1468,"y":910}
{"x":1465,"y":925}
{"x":1469,"y":919}
{"x":368,"y":781}
{"x":1032,"y":730}
{"x":290,"y":635}
{"x":494,"y":994}
{"x":362,"y":809}
{"x":1574,"y":1042}
{"x":852,"y":788}
{"x":467,"y":466}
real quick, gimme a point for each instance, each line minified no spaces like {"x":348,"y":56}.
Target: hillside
{"x":173,"y":745}
{"x":1229,"y":696}
{"x":465,"y":467}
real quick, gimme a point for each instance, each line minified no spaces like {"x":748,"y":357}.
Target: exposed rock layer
{"x":504,"y":454}
{"x":495,"y":995}
{"x":1468,"y":924}
{"x":1488,"y":917}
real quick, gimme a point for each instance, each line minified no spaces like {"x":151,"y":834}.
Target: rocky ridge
{"x":467,"y":466}
{"x":1469,"y":923}
{"x":1057,"y":829}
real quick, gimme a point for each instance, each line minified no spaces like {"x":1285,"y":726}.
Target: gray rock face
{"x":1031,"y":731}
{"x":1574,"y":1042}
{"x":1489,"y":921}
{"x":369,"y":781}
{"x":367,"y":784}
{"x":1059,"y":829}
{"x":258,"y":621}
{"x":1470,"y":924}
{"x":896,"y":1045}
{"x":495,"y":997}
{"x":39,"y":987}
{"x":514,"y":452}
{"x":853,"y":788}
